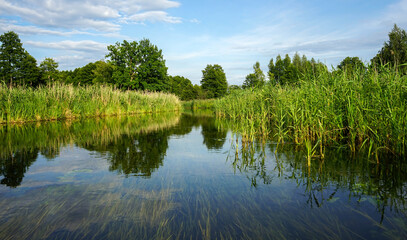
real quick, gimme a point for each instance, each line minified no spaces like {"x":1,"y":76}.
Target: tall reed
{"x":359,"y":109}
{"x":60,"y":101}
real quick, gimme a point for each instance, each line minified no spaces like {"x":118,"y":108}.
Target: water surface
{"x":176,"y":176}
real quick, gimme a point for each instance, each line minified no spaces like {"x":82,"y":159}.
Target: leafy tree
{"x":12,"y":54}
{"x":214,"y":81}
{"x":138,"y":65}
{"x":49,"y":70}
{"x":182,"y":87}
{"x":103,"y":72}
{"x":84,"y":75}
{"x":271,"y":72}
{"x":394,"y":52}
{"x":256,"y":79}
{"x":29,"y":72}
{"x":350,"y":65}
{"x":200,"y":93}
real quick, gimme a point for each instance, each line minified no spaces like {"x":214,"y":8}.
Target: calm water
{"x":187,"y":177}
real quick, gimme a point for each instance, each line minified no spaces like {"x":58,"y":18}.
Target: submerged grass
{"x":360,"y":109}
{"x":60,"y":101}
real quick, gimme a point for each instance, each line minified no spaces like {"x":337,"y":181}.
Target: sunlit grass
{"x":58,"y":101}
{"x":365,"y":108}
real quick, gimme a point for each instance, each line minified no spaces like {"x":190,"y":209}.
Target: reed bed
{"x":59,"y":101}
{"x":203,"y":104}
{"x":360,"y":109}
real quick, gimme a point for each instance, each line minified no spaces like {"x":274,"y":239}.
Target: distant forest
{"x":141,"y":66}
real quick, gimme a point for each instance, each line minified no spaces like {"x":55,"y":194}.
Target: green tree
{"x":271,"y":72}
{"x":84,"y":75}
{"x":138,"y":65}
{"x":256,"y":79}
{"x":182,"y":87}
{"x":351,"y":64}
{"x":49,"y":70}
{"x":12,"y":54}
{"x":30,"y":73}
{"x":103,"y":73}
{"x":214,"y":81}
{"x":394,"y":52}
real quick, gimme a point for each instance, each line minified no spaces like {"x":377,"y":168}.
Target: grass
{"x":360,"y":109}
{"x":206,"y":104}
{"x":58,"y":101}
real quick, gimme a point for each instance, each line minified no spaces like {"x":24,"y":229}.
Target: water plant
{"x":330,"y":108}
{"x":59,"y":101}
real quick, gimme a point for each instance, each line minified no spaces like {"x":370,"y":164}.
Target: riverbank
{"x":59,"y":101}
{"x":363,"y":108}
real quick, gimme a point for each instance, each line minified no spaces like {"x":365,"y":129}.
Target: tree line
{"x":289,"y":71}
{"x":141,"y":66}
{"x":136,"y":65}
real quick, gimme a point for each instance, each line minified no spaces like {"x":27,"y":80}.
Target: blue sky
{"x":192,"y":34}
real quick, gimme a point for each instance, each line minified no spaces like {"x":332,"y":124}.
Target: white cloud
{"x":88,"y":15}
{"x":79,"y":46}
{"x":152,"y":16}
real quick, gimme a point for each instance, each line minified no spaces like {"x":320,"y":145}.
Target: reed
{"x":363,"y":108}
{"x":59,"y":101}
{"x":200,"y":104}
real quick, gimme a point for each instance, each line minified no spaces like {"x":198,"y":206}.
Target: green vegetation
{"x":20,"y":104}
{"x":368,"y":109}
{"x":205,"y":104}
{"x":394,"y":52}
{"x":308,"y":105}
{"x":213,"y":81}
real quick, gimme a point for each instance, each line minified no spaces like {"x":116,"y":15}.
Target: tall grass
{"x":359,"y":109}
{"x":198,"y":104}
{"x":60,"y":101}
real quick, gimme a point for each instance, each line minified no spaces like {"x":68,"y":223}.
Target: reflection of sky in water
{"x":199,"y":190}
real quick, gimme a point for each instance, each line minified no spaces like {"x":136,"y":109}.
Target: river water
{"x":188,"y":176}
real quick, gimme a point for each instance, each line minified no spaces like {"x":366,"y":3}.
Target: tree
{"x":138,"y":65}
{"x":103,"y":72}
{"x":12,"y":54}
{"x":29,"y":72}
{"x":182,"y":87}
{"x":84,"y":75}
{"x":394,"y":52}
{"x":256,"y":79}
{"x":214,"y":81}
{"x":350,"y":65}
{"x":49,"y":70}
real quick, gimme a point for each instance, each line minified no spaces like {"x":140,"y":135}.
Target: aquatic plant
{"x":59,"y":101}
{"x":367,"y":108}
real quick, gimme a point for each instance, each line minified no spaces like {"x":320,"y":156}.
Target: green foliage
{"x":287,"y":72}
{"x":138,"y":65}
{"x":29,"y":72}
{"x":394,"y":52}
{"x":214,"y":81}
{"x":256,"y":79}
{"x":84,"y":75}
{"x":182,"y":87}
{"x":17,"y":66}
{"x":21,"y":104}
{"x":103,"y":73}
{"x":368,"y":109}
{"x":49,"y":70}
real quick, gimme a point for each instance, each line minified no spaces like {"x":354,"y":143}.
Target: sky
{"x":194,"y":33}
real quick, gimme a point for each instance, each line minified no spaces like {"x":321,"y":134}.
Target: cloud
{"x":152,"y":16}
{"x":78,"y":46}
{"x":102,"y":16}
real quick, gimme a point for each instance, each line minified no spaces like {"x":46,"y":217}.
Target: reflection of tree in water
{"x":214,"y":137}
{"x":14,"y":165}
{"x":139,"y":154}
{"x":132,"y":146}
